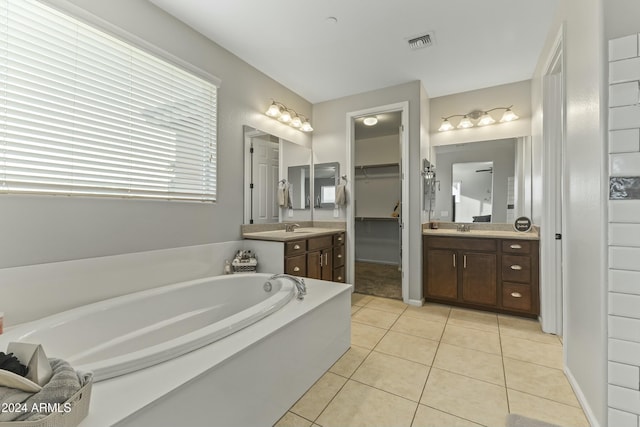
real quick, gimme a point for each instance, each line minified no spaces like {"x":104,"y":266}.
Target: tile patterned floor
{"x":439,"y":366}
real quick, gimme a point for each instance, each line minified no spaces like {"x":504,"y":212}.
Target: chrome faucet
{"x":289,"y":228}
{"x":463,"y":227}
{"x":298,"y":281}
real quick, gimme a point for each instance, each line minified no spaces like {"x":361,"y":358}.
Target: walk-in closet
{"x":377,"y":199}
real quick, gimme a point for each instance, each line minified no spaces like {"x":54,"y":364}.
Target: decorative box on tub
{"x":245,"y":262}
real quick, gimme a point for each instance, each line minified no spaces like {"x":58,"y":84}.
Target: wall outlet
{"x":444,"y":214}
{"x":336,"y":212}
{"x":290,"y":213}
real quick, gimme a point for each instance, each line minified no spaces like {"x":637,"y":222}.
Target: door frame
{"x":403,"y":108}
{"x":553,"y":276}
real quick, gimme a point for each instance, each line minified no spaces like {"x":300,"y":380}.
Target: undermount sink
{"x":302,"y":231}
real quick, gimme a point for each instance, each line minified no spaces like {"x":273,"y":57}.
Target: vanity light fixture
{"x":483,"y":119}
{"x":282,"y":113}
{"x":370,"y":121}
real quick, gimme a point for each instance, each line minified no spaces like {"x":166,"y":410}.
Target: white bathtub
{"x":132,"y":332}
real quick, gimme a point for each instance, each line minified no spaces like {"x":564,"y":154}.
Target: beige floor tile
{"x":365,"y":336}
{"x":378,"y":318}
{"x":429,"y":311}
{"x":419,"y":327}
{"x":546,"y":410}
{"x":531,"y":351}
{"x":355,"y":309}
{"x":360,"y":299}
{"x":398,"y":376}
{"x":474,"y":339}
{"x":361,"y":405}
{"x":313,"y":402}
{"x":292,"y":420}
{"x":474,"y":319}
{"x":466,"y":397}
{"x":387,"y":304}
{"x":408,"y":347}
{"x":350,"y":361}
{"x":472,"y":363}
{"x":542,"y":381}
{"x":429,"y":417}
{"x":525,"y":328}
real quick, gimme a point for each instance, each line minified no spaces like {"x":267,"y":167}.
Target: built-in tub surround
{"x":132,"y":332}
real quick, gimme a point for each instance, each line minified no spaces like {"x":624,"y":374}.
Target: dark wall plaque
{"x":522,"y":224}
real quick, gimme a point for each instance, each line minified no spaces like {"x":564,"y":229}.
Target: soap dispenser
{"x":227,"y":267}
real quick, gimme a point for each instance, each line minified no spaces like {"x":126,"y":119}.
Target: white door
{"x":264,"y":180}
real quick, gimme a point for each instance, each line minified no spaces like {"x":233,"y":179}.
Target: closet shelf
{"x":376,"y":218}
{"x":377,"y":165}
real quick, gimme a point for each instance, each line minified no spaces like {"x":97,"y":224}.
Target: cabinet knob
{"x":339,"y":255}
{"x":516,"y":294}
{"x":296,"y":268}
{"x":516,"y":267}
{"x":516,"y":246}
{"x":296,"y":246}
{"x":340,"y":239}
{"x":339,"y":278}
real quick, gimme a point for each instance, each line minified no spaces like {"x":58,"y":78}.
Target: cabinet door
{"x":442,"y":274}
{"x":314,"y":270}
{"x":327,"y":264}
{"x":296,"y":265}
{"x":479,"y":278}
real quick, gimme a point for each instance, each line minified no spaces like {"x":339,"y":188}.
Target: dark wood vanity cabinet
{"x":486,"y":273}
{"x":316,"y":257}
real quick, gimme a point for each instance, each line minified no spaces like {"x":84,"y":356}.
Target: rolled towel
{"x":64,"y":383}
{"x":341,"y":195}
{"x":282,"y":197}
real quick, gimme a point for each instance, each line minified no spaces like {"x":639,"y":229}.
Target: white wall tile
{"x":624,"y":281}
{"x":624,"y":164}
{"x":624,"y":211}
{"x":624,"y":117}
{"x":623,"y":47}
{"x":624,"y":141}
{"x":624,"y":399}
{"x":624,"y":305}
{"x":624,"y":375}
{"x":626,"y":352}
{"x":624,"y":235}
{"x":625,"y":70}
{"x":624,"y":328}
{"x":622,"y":419}
{"x":623,"y":94}
{"x":621,"y":258}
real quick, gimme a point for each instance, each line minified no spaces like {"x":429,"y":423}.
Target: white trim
{"x":588,"y":412}
{"x":403,"y":107}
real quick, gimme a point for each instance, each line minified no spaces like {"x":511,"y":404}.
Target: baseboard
{"x":416,"y":302}
{"x":588,"y":412}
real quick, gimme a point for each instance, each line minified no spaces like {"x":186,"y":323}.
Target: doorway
{"x":375,"y":218}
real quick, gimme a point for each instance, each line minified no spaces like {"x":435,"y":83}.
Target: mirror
{"x":504,"y":167}
{"x":325,"y":178}
{"x":268,"y":160}
{"x":299,"y":178}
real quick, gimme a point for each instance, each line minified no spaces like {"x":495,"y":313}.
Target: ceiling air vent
{"x":422,"y":41}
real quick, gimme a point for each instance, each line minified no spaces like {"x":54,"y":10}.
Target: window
{"x":328,"y":194}
{"x":84,"y":113}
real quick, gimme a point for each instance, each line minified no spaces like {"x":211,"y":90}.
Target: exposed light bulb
{"x":445,"y":126}
{"x":273,"y":111}
{"x":486,"y":119}
{"x":370,"y":121}
{"x":465,"y":123}
{"x":509,"y":116}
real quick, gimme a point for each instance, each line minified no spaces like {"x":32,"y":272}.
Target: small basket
{"x":244,"y":265}
{"x":79,"y":410}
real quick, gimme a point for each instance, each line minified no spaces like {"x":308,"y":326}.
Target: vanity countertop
{"x":496,"y":234}
{"x":287,"y":236}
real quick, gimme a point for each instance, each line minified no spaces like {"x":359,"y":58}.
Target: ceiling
{"x":478,"y":44}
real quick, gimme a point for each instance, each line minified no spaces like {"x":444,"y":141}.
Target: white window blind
{"x":83,"y":113}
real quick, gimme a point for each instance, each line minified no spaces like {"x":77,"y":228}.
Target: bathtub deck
{"x":292,"y":346}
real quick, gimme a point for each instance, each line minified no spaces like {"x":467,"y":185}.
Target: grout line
{"x":504,"y":371}
{"x":548,"y":399}
{"x":454,"y":415}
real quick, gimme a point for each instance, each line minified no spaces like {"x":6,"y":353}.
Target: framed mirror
{"x":325,"y":178}
{"x":299,"y":178}
{"x":504,"y":167}
{"x":267,"y":161}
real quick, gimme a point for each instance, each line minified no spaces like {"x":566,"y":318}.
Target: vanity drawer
{"x":297,"y":247}
{"x":516,"y":246}
{"x":516,"y":296}
{"x":471,"y":243}
{"x":338,"y":256}
{"x":516,"y":268}
{"x":296,"y":265}
{"x":319,"y":243}
{"x":338,"y":274}
{"x":338,"y":239}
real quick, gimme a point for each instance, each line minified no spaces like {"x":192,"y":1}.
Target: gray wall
{"x":40,"y":229}
{"x":500,"y":152}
